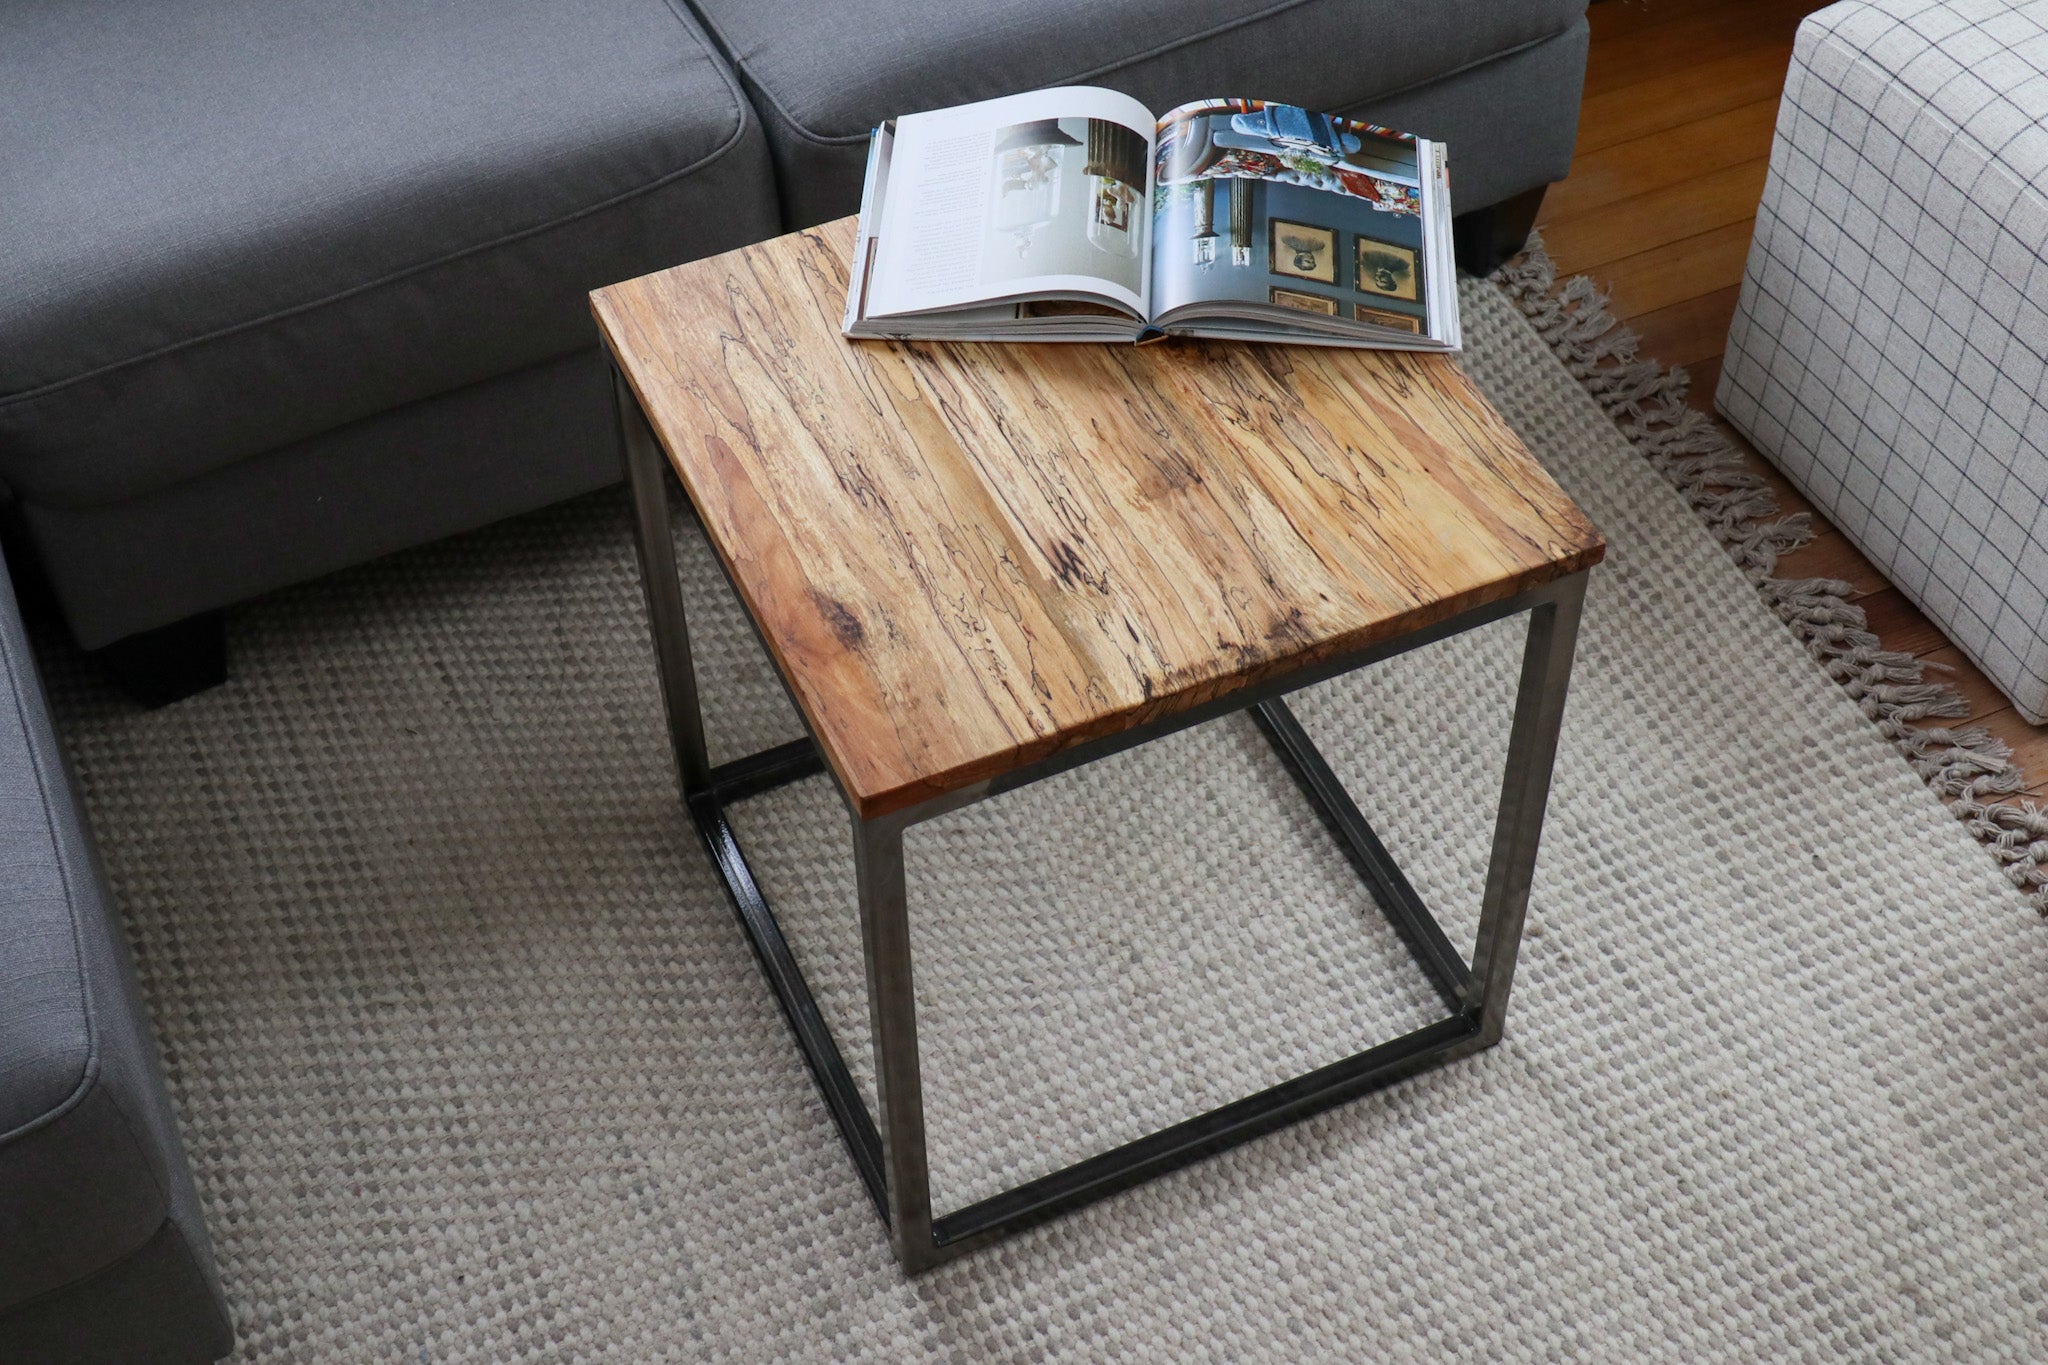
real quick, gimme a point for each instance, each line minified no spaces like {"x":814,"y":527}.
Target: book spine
{"x":863,"y":241}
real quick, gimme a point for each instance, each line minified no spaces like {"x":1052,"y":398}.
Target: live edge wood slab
{"x":965,"y":558}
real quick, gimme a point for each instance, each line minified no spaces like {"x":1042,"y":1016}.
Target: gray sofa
{"x":103,"y":1255}
{"x":285,"y":285}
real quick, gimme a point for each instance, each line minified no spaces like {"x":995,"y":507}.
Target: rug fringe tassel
{"x":1969,"y":768}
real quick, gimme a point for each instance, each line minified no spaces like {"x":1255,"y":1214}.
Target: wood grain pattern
{"x":966,"y":558}
{"x":1613,"y":174}
{"x":1659,"y":50}
{"x":1689,"y":332}
{"x":1670,"y":101}
{"x":1663,"y":216}
{"x":1682,"y":270}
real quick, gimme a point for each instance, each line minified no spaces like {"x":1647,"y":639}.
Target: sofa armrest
{"x":91,"y":1169}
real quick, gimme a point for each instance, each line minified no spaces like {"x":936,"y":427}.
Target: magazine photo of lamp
{"x":1030,"y":174}
{"x":1065,"y":195}
{"x":1116,"y":187}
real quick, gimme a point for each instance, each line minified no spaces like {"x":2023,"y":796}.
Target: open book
{"x":1074,"y":215}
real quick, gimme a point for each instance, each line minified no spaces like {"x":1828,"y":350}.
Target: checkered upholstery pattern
{"x":1889,"y":349}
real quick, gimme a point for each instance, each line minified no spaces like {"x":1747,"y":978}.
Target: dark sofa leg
{"x":170,"y":663}
{"x":1488,"y":238}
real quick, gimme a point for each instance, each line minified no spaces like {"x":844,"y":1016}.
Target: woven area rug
{"x":475,"y":1066}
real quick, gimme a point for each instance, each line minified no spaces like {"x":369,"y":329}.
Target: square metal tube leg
{"x":1524,"y":797}
{"x":892,"y":1015}
{"x":646,"y":477}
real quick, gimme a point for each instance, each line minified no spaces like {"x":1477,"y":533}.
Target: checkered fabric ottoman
{"x":1889,"y":348}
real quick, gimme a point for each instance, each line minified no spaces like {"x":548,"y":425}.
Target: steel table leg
{"x":1524,"y":796}
{"x":892,"y":1014}
{"x":646,"y":475}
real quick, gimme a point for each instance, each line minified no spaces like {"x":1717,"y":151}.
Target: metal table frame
{"x":890,"y":1156}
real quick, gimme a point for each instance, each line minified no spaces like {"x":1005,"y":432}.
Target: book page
{"x":1044,"y":193}
{"x":1273,"y":205}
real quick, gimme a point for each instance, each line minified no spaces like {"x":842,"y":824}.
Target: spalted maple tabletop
{"x":967,"y":557}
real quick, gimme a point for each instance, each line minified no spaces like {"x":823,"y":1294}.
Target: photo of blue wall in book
{"x":1274,"y":182}
{"x":1227,"y":227}
{"x":1063,"y":199}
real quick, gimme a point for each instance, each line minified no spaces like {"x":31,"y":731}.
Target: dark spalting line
{"x":1004,"y":562}
{"x":795,"y":644}
{"x":845,"y":625}
{"x":1066,"y":566}
{"x":850,"y":471}
{"x":934,"y":600}
{"x":1508,"y":460}
{"x":738,"y":415}
{"x":1012,"y":556}
{"x":1227,"y":490}
{"x":1401,"y":422}
{"x":1242,"y":543}
{"x":1203,"y":535}
{"x":1323,"y":459}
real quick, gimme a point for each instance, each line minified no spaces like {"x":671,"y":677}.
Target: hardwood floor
{"x":1674,"y":139}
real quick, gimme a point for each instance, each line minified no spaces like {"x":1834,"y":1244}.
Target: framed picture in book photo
{"x":1303,"y":251}
{"x":1301,"y":302}
{"x":1387,"y":269}
{"x":1384,"y":317}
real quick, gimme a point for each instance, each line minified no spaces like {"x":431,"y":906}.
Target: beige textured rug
{"x":475,"y":1065}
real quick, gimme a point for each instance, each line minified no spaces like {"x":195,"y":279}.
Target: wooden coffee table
{"x":977,"y":566}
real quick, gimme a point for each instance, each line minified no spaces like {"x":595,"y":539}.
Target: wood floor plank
{"x":1953,"y":667}
{"x":1611,"y":175}
{"x":1831,"y":555}
{"x":1901,"y":625}
{"x":1688,"y":269}
{"x":1671,"y":100}
{"x":1615,"y":19}
{"x":1704,"y":375}
{"x":2030,"y":756}
{"x":1689,"y":332}
{"x":1710,"y":34}
{"x":2029,"y":745}
{"x":1661,"y":217}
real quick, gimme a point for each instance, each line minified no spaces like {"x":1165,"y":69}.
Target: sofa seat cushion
{"x":822,"y":76}
{"x":232,"y":224}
